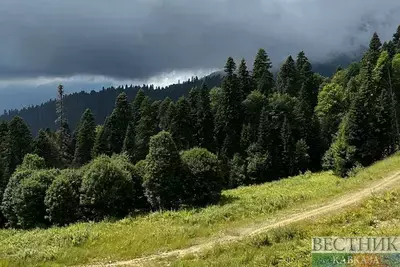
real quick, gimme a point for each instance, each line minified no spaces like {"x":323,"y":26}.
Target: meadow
{"x":132,"y":237}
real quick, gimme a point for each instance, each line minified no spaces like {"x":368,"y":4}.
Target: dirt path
{"x":329,"y":207}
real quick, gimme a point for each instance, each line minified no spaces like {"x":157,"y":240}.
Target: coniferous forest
{"x":160,"y":149}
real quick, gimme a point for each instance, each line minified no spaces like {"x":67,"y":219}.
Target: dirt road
{"x":328,"y":207}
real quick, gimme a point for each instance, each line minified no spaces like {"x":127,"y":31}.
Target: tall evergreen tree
{"x":262,"y":76}
{"x":253,"y":106}
{"x":146,"y":128}
{"x":228,"y":116}
{"x":396,"y":40}
{"x":19,"y":143}
{"x":204,"y":121}
{"x":163,"y":114}
{"x":85,"y":139}
{"x":46,"y":148}
{"x":117,"y":123}
{"x":129,"y":142}
{"x":182,"y":125}
{"x":65,"y":144}
{"x":100,"y":142}
{"x":137,"y":103}
{"x":287,"y":81}
{"x":245,"y":81}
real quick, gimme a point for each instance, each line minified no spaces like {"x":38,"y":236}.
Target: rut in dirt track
{"x":343,"y":201}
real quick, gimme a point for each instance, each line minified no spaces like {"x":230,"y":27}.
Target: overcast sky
{"x":141,"y":39}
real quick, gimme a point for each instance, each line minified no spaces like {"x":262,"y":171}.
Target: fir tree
{"x":117,"y":123}
{"x":286,"y":81}
{"x":262,"y":76}
{"x":46,"y":148}
{"x":129,"y":142}
{"x":163,"y":114}
{"x":205,"y":121}
{"x":100,"y":144}
{"x":228,"y":116}
{"x":65,"y":144}
{"x":137,"y":103}
{"x":245,"y":81}
{"x":181,"y":127}
{"x":146,"y":128}
{"x":253,"y":106}
{"x":19,"y":143}
{"x":85,"y":139}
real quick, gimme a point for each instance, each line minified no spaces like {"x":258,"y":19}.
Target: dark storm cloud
{"x":141,"y":38}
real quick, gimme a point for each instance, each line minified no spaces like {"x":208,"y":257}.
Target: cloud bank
{"x":139,"y":39}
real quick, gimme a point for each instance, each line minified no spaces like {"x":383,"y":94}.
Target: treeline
{"x":169,"y":154}
{"x":100,"y":103}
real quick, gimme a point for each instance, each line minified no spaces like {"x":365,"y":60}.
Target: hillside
{"x":101,"y":103}
{"x":240,"y":212}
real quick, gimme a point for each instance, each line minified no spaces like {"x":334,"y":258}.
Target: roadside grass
{"x":129,"y":238}
{"x":291,"y":245}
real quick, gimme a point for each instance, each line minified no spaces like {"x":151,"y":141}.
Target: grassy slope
{"x":133,"y":237}
{"x":291,"y":245}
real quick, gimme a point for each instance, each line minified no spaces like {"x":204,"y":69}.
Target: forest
{"x":170,"y":153}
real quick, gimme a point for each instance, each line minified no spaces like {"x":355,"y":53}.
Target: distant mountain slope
{"x":101,"y":103}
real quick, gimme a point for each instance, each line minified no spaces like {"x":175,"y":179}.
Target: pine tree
{"x":182,"y":128}
{"x":245,"y":81}
{"x":396,"y":40}
{"x":100,"y":144}
{"x":253,"y":106}
{"x":117,"y":123}
{"x":204,"y":121}
{"x":287,"y":142}
{"x":228,"y":117}
{"x":65,"y":144}
{"x":64,"y":137}
{"x":262,"y":76}
{"x":163,"y":114}
{"x":146,"y":128}
{"x":85,"y":139}
{"x":137,"y":103}
{"x":286,"y":81}
{"x":46,"y":148}
{"x":129,"y":142}
{"x":19,"y":143}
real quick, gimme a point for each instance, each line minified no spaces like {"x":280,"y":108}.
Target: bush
{"x":33,"y":162}
{"x":203,"y":183}
{"x":237,"y":173}
{"x":62,"y":198}
{"x":163,"y":182}
{"x":8,"y":201}
{"x":25,"y":204}
{"x":139,"y":200}
{"x":106,"y":189}
{"x":140,"y":167}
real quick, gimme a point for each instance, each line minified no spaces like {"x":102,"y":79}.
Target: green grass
{"x":133,"y":237}
{"x":291,"y":245}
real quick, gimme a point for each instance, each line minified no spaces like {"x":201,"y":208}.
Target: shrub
{"x":140,"y":167}
{"x":62,"y":198}
{"x":203,"y":183}
{"x":139,"y":200}
{"x":237,"y":173}
{"x":33,"y":162}
{"x":106,"y":189}
{"x":163,"y":182}
{"x":28,"y":198}
{"x":8,"y":201}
